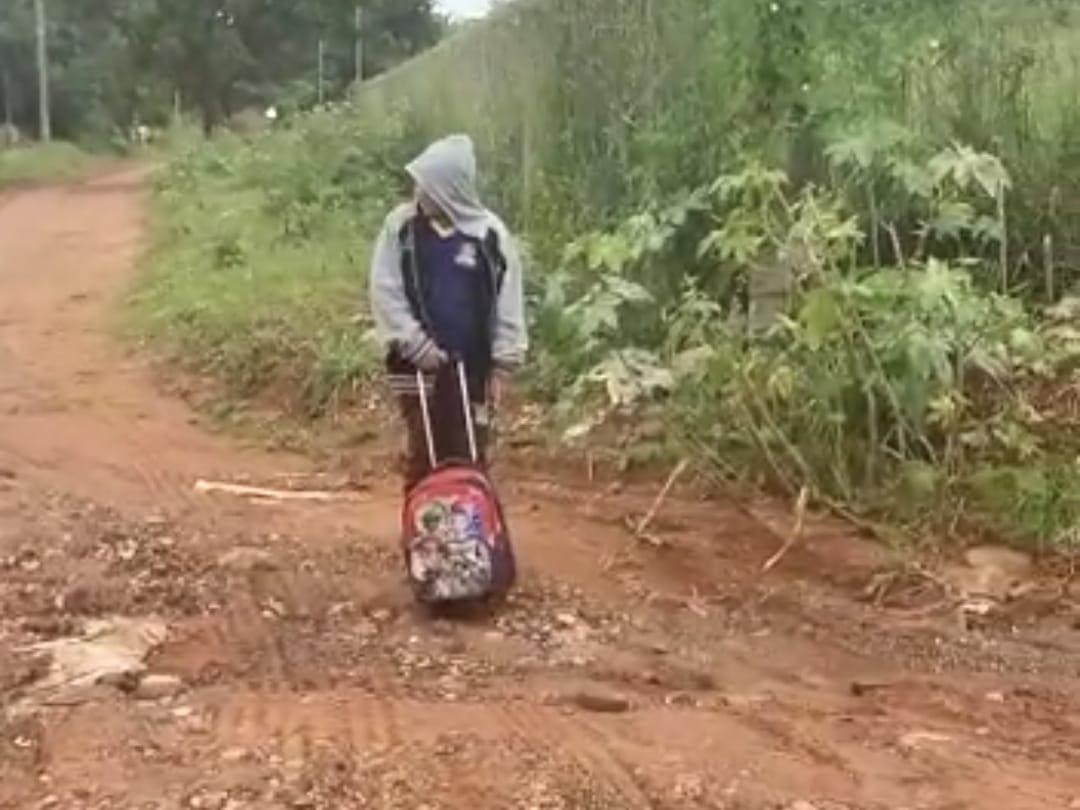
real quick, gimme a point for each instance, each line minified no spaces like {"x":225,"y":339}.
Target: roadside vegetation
{"x":42,"y":163}
{"x":825,"y":246}
{"x":258,"y":256}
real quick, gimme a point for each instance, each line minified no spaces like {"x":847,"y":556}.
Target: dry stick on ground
{"x":650,"y":516}
{"x":640,"y":531}
{"x":796,"y":531}
{"x":743,"y":503}
{"x":273,"y":495}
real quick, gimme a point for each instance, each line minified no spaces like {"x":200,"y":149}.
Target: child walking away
{"x":447,"y":294}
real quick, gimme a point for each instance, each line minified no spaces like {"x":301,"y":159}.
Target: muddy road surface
{"x":162,"y":647}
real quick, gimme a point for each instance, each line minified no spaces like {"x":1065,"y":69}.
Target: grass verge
{"x":257,"y":268}
{"x":42,"y":163}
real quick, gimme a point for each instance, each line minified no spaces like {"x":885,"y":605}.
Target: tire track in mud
{"x":557,"y":734}
{"x":297,"y":724}
{"x":361,"y":725}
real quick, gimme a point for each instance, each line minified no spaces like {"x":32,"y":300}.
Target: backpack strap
{"x":410,"y":273}
{"x":495,"y":259}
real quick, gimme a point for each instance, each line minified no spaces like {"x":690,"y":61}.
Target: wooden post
{"x":5,"y":81}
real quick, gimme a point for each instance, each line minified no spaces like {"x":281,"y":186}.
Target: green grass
{"x":42,"y":163}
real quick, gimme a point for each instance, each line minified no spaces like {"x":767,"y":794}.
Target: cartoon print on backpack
{"x":450,"y":556}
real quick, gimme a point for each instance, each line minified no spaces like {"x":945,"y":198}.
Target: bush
{"x":39,"y":163}
{"x":900,"y":391}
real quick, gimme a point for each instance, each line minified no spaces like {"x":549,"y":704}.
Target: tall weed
{"x":260,"y":251}
{"x":584,"y":111}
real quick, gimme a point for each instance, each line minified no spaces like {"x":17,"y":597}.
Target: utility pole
{"x":358,"y":55}
{"x":321,"y":81}
{"x":43,"y":71}
{"x":5,"y":81}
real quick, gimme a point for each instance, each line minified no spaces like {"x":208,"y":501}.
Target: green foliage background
{"x":826,"y":245}
{"x":586,"y":109}
{"x":116,"y":63}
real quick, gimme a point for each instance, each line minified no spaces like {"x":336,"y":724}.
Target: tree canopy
{"x":117,"y":62}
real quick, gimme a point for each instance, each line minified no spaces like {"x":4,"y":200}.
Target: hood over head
{"x":446,"y":171}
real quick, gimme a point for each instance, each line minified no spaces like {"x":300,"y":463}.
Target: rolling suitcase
{"x":454,"y":532}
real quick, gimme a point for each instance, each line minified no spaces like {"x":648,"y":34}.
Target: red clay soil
{"x":619,"y":676}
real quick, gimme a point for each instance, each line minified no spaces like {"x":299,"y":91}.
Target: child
{"x":446,"y":285}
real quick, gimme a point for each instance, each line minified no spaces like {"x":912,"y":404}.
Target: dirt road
{"x":291,"y":671}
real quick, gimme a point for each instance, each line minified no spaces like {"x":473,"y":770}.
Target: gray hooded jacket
{"x":446,"y":171}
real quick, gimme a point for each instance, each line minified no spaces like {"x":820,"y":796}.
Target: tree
{"x":115,"y":62}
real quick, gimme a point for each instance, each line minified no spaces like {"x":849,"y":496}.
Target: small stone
{"x":1013,"y":563}
{"x":156,"y":687}
{"x":209,"y":801}
{"x":802,"y":804}
{"x":566,"y":619}
{"x":681,"y":699}
{"x":234,"y":755}
{"x":916,"y":739}
{"x":274,"y":609}
{"x":863,"y":688}
{"x":244,"y":559}
{"x":30,"y":565}
{"x":690,"y":788}
{"x":995,"y":697}
{"x":339,"y":609}
{"x":600,"y":702}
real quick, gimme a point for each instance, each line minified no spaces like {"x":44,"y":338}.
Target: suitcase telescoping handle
{"x":466,"y":407}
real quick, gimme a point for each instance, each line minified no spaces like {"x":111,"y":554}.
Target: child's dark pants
{"x":448,"y":427}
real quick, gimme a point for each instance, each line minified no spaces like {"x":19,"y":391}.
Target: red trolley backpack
{"x":454,"y":532}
